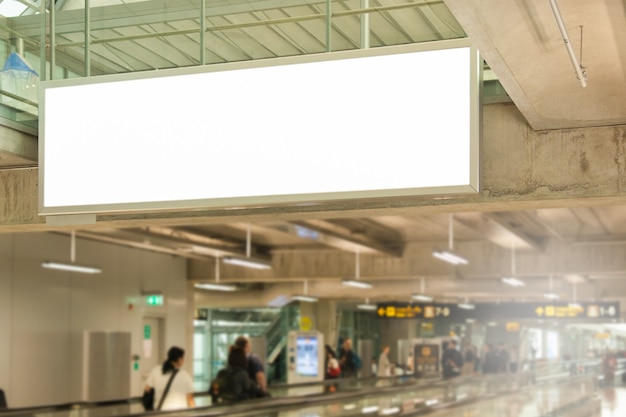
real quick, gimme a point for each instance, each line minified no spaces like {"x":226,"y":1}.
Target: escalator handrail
{"x":261,"y":405}
{"x":133,"y":400}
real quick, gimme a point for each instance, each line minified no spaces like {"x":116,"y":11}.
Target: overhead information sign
{"x":501,"y":311}
{"x":382,"y":122}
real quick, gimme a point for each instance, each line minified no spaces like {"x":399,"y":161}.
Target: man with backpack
{"x":348,"y":360}
{"x":255,"y":367}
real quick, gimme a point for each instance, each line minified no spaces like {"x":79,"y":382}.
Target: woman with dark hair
{"x":169,"y":374}
{"x":333,"y":370}
{"x":233,"y":382}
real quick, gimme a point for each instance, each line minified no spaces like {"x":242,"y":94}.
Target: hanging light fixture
{"x":216,"y":286}
{"x":449,"y":255}
{"x":551,"y":295}
{"x":512,"y":281}
{"x":422,"y":294}
{"x":72,"y":266}
{"x":466,"y":305}
{"x":305,"y":296}
{"x":367,"y":306}
{"x":356,"y":282}
{"x":574,"y":303}
{"x":578,"y":68}
{"x":248,"y":261}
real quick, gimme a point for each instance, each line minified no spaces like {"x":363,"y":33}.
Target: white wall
{"x":41,"y":309}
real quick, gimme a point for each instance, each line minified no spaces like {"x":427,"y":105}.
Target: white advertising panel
{"x":306,"y":356}
{"x":383,"y":122}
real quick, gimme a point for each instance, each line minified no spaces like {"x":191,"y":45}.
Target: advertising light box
{"x":307,"y":356}
{"x":383,"y":122}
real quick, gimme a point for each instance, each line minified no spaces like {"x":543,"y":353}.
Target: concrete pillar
{"x":393,"y":330}
{"x":323,"y":315}
{"x":327,"y":321}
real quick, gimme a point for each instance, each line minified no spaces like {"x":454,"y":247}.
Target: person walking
{"x":173,"y":386}
{"x":233,"y":383}
{"x":384,"y":366}
{"x":255,"y":367}
{"x":513,"y":355}
{"x":451,"y":361}
{"x":346,"y":359}
{"x":489,"y":361}
{"x":502,"y":358}
{"x":469,"y":359}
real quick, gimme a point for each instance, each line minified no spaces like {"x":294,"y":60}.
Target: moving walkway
{"x":497,"y":395}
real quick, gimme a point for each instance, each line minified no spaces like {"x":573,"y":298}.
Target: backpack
{"x":356,"y":360}
{"x":221,"y":386}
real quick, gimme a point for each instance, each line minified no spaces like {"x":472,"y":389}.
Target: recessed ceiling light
{"x":450,"y":257}
{"x":216,"y":287}
{"x":305,"y":298}
{"x":71,"y":267}
{"x":356,"y":284}
{"x":513,"y":282}
{"x":253,"y":263}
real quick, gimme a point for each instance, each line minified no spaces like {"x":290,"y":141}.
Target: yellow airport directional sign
{"x":501,"y":311}
{"x":512,"y":327}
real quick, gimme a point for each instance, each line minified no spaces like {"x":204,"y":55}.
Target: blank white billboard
{"x":384,"y":122}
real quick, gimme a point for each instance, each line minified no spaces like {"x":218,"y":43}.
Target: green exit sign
{"x":154,"y":300}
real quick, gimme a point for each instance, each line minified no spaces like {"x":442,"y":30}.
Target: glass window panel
{"x":11,"y":8}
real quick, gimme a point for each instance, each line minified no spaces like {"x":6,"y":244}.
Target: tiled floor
{"x":614,"y":401}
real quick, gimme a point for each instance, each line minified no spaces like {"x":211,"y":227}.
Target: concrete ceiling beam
{"x":339,"y":237}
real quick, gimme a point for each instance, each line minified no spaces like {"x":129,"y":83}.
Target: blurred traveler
{"x":609,"y":365}
{"x":384,"y":366}
{"x":233,"y":382}
{"x":374,"y":366}
{"x":513,"y":355}
{"x":173,"y":387}
{"x":333,"y":370}
{"x":347,"y":359}
{"x":489,"y":360}
{"x":502,"y":356}
{"x":255,"y":367}
{"x":410,"y":364}
{"x":451,"y":361}
{"x":469,"y":359}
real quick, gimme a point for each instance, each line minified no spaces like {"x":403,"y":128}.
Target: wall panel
{"x":42,"y":311}
{"x":6,"y":271}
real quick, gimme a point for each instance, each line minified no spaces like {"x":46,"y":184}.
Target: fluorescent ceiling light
{"x":514,"y":282}
{"x":305,"y":298}
{"x":450,"y":257}
{"x":247,"y":262}
{"x":466,"y":306}
{"x":216,"y":287}
{"x":356,"y":284}
{"x":368,"y":307}
{"x":551,"y":295}
{"x":71,"y":267}
{"x":422,"y":297}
